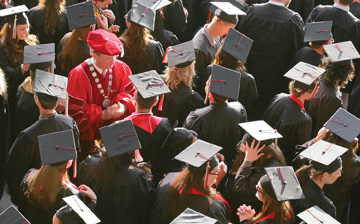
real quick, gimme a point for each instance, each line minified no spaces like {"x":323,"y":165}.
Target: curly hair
{"x":53,"y":10}
{"x":337,"y":74}
{"x":297,"y":92}
{"x":174,"y":75}
{"x":226,"y":60}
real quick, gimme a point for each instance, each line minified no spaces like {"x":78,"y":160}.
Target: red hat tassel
{"x":74,"y":168}
{"x":206,"y":178}
{"x":316,"y":88}
{"x":165,"y":59}
{"x":138,"y":157}
{"x":160,"y":108}
{"x":208,"y":18}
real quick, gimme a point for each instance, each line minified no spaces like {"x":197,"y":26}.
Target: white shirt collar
{"x":97,"y":68}
{"x":345,"y":8}
{"x":276,"y":3}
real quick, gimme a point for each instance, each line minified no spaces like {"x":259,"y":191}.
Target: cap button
{"x":57,"y":146}
{"x":120,"y":138}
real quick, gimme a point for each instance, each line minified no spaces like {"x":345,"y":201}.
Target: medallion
{"x":106,"y":103}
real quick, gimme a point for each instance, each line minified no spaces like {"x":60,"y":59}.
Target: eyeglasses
{"x":258,"y":189}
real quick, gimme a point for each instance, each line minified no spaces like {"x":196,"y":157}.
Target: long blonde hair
{"x":3,"y":85}
{"x":174,"y":75}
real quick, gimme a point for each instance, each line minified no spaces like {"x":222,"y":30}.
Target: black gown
{"x":179,"y":103}
{"x":219,"y":124}
{"x":166,"y":38}
{"x":308,"y":55}
{"x":248,"y":92}
{"x":240,"y":189}
{"x":25,"y":154}
{"x":291,"y":121}
{"x":4,"y":140}
{"x":27,"y":112}
{"x":303,"y":7}
{"x":314,"y":195}
{"x":324,"y":104}
{"x":276,"y":40}
{"x":175,"y":18}
{"x":355,"y":9}
{"x":151,"y":60}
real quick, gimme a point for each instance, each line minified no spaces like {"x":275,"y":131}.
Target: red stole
{"x":146,"y":121}
{"x":296,"y":100}
{"x":271,"y":216}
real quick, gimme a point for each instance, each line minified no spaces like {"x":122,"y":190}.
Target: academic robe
{"x":354,"y":106}
{"x":276,"y":40}
{"x":314,"y":195}
{"x":151,"y":59}
{"x":152,"y":132}
{"x":166,"y":38}
{"x":175,"y":18}
{"x":179,"y":103}
{"x":290,"y":119}
{"x":25,"y":154}
{"x":355,"y":9}
{"x":240,"y":189}
{"x":219,"y":124}
{"x":248,"y":92}
{"x":85,"y":100}
{"x":4,"y":140}
{"x":325,"y":103}
{"x":308,"y":55}
{"x":303,"y":7}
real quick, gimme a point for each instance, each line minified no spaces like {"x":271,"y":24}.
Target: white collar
{"x":276,"y":3}
{"x":342,"y":7}
{"x":96,"y":67}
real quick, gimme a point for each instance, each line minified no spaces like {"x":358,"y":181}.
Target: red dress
{"x":85,"y":100}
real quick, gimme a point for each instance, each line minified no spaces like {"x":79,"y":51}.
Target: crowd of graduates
{"x":180,"y":111}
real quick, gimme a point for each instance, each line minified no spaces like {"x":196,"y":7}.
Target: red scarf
{"x":271,"y":216}
{"x":146,"y":121}
{"x":297,"y":100}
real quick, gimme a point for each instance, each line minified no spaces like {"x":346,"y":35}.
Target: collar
{"x":213,"y":41}
{"x":28,"y":85}
{"x":276,"y":3}
{"x":345,"y":8}
{"x":297,"y":100}
{"x":97,"y":68}
{"x":45,"y":117}
{"x":218,"y":105}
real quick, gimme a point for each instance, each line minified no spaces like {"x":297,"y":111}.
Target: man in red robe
{"x":100,"y":91}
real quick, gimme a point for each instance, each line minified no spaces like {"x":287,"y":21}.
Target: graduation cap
{"x":316,"y":215}
{"x":237,"y":44}
{"x":344,"y":124}
{"x":78,"y":209}
{"x":226,"y":11}
{"x":50,"y":87}
{"x":324,"y":155}
{"x":341,"y":53}
{"x":12,"y":216}
{"x":81,"y":15}
{"x":260,"y":131}
{"x":200,"y":156}
{"x":154,"y":4}
{"x":281,"y":184}
{"x":225,"y":82}
{"x":120,"y":138}
{"x":191,"y":216}
{"x":318,"y":31}
{"x":180,"y":55}
{"x":142,"y":15}
{"x":15,"y":16}
{"x":149,"y":84}
{"x":39,"y":56}
{"x":304,"y":75}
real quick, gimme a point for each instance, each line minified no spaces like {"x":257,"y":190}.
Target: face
{"x":214,"y":173}
{"x":22,"y":31}
{"x":225,"y":28}
{"x":259,"y":192}
{"x":331,"y":178}
{"x":105,"y":4}
{"x":104,"y":61}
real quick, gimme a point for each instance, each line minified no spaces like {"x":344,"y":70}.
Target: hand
{"x":24,"y":68}
{"x":88,"y":192}
{"x":321,"y":134}
{"x":118,"y":110}
{"x":144,"y":167}
{"x":186,"y":12}
{"x":103,"y":21}
{"x":61,"y":105}
{"x":114,"y":28}
{"x":222,"y":173}
{"x":253,"y":152}
{"x":109,"y":14}
{"x":245,"y":212}
{"x":220,"y":156}
{"x":107,"y":114}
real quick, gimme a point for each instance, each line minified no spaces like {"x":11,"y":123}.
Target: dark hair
{"x":226,"y":60}
{"x":335,"y":72}
{"x":346,"y":2}
{"x":305,"y":172}
{"x":53,"y":12}
{"x":159,"y":25}
{"x":47,"y":102}
{"x":145,"y":103}
{"x":317,"y":44}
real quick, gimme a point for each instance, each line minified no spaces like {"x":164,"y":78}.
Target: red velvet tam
{"x":104,"y":42}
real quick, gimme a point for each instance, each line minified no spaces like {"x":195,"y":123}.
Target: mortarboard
{"x":180,"y":55}
{"x":341,"y":53}
{"x":12,"y":216}
{"x":169,"y":179}
{"x":281,"y":184}
{"x":57,"y":147}
{"x":39,"y":56}
{"x":260,"y":131}
{"x":200,"y":156}
{"x":316,"y":215}
{"x":15,"y":16}
{"x":142,"y":15}
{"x":154,"y":4}
{"x":149,"y":84}
{"x":344,"y":124}
{"x":49,"y":86}
{"x":191,"y":216}
{"x":78,"y":209}
{"x":318,"y":31}
{"x":225,"y":82}
{"x":237,"y":44}
{"x":81,"y":15}
{"x":304,"y":75}
{"x":226,"y":11}
{"x":119,"y":138}
{"x":105,"y":42}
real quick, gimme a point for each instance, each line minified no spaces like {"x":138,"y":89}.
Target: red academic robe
{"x":85,"y":100}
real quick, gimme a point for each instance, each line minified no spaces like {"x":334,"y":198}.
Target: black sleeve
{"x":298,"y":34}
{"x":313,"y":15}
{"x":193,"y":122}
{"x":143,"y":198}
{"x":245,"y":181}
{"x":250,"y":96}
{"x":175,"y":18}
{"x":159,"y":55}
{"x":14,"y":76}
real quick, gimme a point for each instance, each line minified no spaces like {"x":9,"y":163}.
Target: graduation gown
{"x":4,"y":140}
{"x":219,"y":124}
{"x":166,"y":38}
{"x":303,"y":7}
{"x":276,"y":40}
{"x":85,"y":100}
{"x":179,"y":103}
{"x":175,"y":18}
{"x":314,"y":195}
{"x":308,"y":55}
{"x":291,"y":121}
{"x":151,"y":60}
{"x":355,"y":9}
{"x":324,"y":104}
{"x":25,"y":154}
{"x":241,"y":189}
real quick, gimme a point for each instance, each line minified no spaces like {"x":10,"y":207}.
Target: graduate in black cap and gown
{"x":286,"y":112}
{"x":24,"y":154}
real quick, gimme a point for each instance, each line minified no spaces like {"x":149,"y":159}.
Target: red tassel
{"x":74,"y":168}
{"x":207,"y":175}
{"x":160,"y":108}
{"x":138,"y":157}
{"x":208,"y":18}
{"x":316,"y":88}
{"x":41,"y":188}
{"x":165,"y":59}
